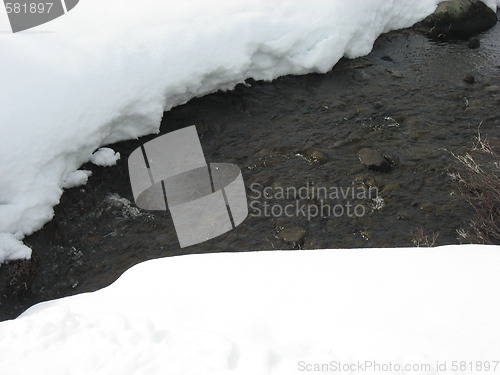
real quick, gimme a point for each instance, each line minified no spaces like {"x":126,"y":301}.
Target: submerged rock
{"x":474,"y":43}
{"x":294,"y":235}
{"x":492,"y":88}
{"x":314,"y":155}
{"x":469,"y":78}
{"x":459,"y":18}
{"x":373,"y":159}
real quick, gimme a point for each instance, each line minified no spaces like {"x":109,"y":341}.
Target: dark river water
{"x":406,"y":99}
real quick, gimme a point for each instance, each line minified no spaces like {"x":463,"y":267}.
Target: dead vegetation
{"x":479,"y":183}
{"x":421,"y":239}
{"x":20,"y":275}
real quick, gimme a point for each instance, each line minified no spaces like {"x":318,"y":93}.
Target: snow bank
{"x":106,"y":71}
{"x":271,"y":313}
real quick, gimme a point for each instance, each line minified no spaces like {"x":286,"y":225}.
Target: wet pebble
{"x":390,"y":188}
{"x":293,"y":235}
{"x":412,"y":122}
{"x":311,"y":243}
{"x":469,"y":78}
{"x":474,"y":43}
{"x":314,"y":155}
{"x":373,"y":159}
{"x":403,"y":215}
{"x":366,"y":234}
{"x":396,"y":74}
{"x":475,"y":106}
{"x":361,"y":109}
{"x":427,"y":206}
{"x":492,"y":88}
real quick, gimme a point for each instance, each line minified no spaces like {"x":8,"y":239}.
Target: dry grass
{"x":480,"y":185}
{"x":420,"y":239}
{"x":20,"y":275}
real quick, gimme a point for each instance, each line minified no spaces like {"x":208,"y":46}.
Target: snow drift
{"x":106,"y":71}
{"x":272,"y":313}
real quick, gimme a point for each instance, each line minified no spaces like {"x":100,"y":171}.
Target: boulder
{"x":458,"y":18}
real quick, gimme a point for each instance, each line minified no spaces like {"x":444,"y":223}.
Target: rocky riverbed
{"x":298,"y":142}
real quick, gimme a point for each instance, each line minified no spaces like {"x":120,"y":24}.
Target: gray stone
{"x":373,"y":159}
{"x":315,"y":155}
{"x":469,"y":78}
{"x":474,"y":43}
{"x":492,"y":88}
{"x":460,"y":18}
{"x":390,"y":188}
{"x":293,"y":235}
{"x":310,"y":244}
{"x":396,"y":74}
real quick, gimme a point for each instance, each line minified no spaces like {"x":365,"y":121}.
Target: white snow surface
{"x":107,"y":70}
{"x":76,"y":178}
{"x":270,"y":313}
{"x":105,"y":157}
{"x":493,"y":4}
{"x":12,"y":248}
